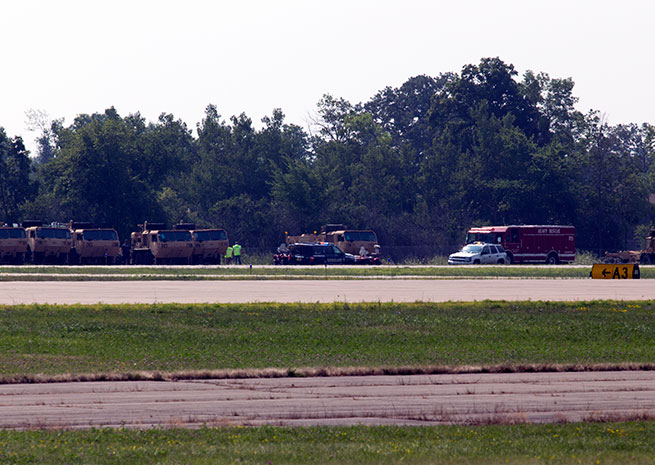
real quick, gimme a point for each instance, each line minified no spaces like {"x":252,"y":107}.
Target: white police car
{"x":479,"y":253}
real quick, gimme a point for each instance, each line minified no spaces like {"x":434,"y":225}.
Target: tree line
{"x":419,"y":164}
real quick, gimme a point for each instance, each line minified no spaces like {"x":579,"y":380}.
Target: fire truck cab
{"x":549,"y":244}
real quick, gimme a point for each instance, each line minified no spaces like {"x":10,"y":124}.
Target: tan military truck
{"x":13,"y":245}
{"x":643,"y":257}
{"x":154,"y":244}
{"x":353,"y":241}
{"x":47,"y":244}
{"x":93,"y":245}
{"x":209,"y":245}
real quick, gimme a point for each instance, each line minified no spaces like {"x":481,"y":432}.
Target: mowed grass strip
{"x":54,"y":340}
{"x":24,"y":273}
{"x":590,"y":443}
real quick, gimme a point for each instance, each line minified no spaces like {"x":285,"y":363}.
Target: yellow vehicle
{"x":155,"y":244}
{"x":645,"y":256}
{"x":209,"y":245}
{"x":13,"y":245}
{"x":353,"y":241}
{"x":47,"y":244}
{"x":94,"y":245}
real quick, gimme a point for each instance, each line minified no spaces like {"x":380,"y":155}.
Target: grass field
{"x":598,"y":443}
{"x":39,"y":273}
{"x":52,"y":340}
{"x":124,"y":340}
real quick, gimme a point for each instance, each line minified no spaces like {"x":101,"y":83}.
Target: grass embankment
{"x":103,"y":339}
{"x":31,"y":273}
{"x":598,"y":443}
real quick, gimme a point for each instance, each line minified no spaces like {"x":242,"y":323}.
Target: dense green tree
{"x":492,"y":83}
{"x":15,"y":184}
{"x":403,"y":111}
{"x":611,"y":194}
{"x":166,"y":149}
{"x":419,"y":163}
{"x":92,"y":177}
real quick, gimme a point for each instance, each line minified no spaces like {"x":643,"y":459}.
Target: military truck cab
{"x":209,"y":245}
{"x":93,"y":245}
{"x":355,"y":241}
{"x":13,"y":245}
{"x":155,"y":245}
{"x":47,"y":244}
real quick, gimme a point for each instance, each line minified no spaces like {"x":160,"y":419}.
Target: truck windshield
{"x":212,"y":235}
{"x":363,"y":236}
{"x":479,"y":237}
{"x":100,"y":235}
{"x":471,"y":248}
{"x":174,"y":236}
{"x":12,"y":233}
{"x":53,"y":233}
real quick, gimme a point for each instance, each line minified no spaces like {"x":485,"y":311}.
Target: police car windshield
{"x":322,"y":250}
{"x":472,"y":248}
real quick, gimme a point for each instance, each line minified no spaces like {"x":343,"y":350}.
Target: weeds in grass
{"x":586,"y":258}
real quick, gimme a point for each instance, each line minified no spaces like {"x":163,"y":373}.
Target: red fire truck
{"x":529,"y":243}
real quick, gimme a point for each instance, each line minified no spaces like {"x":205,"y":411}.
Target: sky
{"x":70,"y":57}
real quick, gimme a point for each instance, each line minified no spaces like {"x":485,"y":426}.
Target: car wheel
{"x":501,"y":261}
{"x":476,"y":262}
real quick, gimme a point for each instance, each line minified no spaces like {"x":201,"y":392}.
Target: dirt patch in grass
{"x":318,"y":371}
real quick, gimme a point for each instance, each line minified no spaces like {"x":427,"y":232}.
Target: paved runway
{"x":396,"y":290}
{"x":372,"y":400}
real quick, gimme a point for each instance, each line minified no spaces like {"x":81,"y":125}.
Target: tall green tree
{"x":611,"y":194}
{"x":16,"y":186}
{"x":92,"y":178}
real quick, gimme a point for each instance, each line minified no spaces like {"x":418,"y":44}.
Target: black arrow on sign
{"x":604,"y":273}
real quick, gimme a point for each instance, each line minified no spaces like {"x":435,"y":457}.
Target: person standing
{"x":236,"y":250}
{"x":228,"y":255}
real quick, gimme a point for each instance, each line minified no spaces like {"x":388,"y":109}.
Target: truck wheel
{"x":552,"y":259}
{"x":476,"y":262}
{"x":644,"y":259}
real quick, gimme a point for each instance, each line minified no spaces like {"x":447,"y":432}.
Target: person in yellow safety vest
{"x":228,"y":255}
{"x":237,"y":253}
